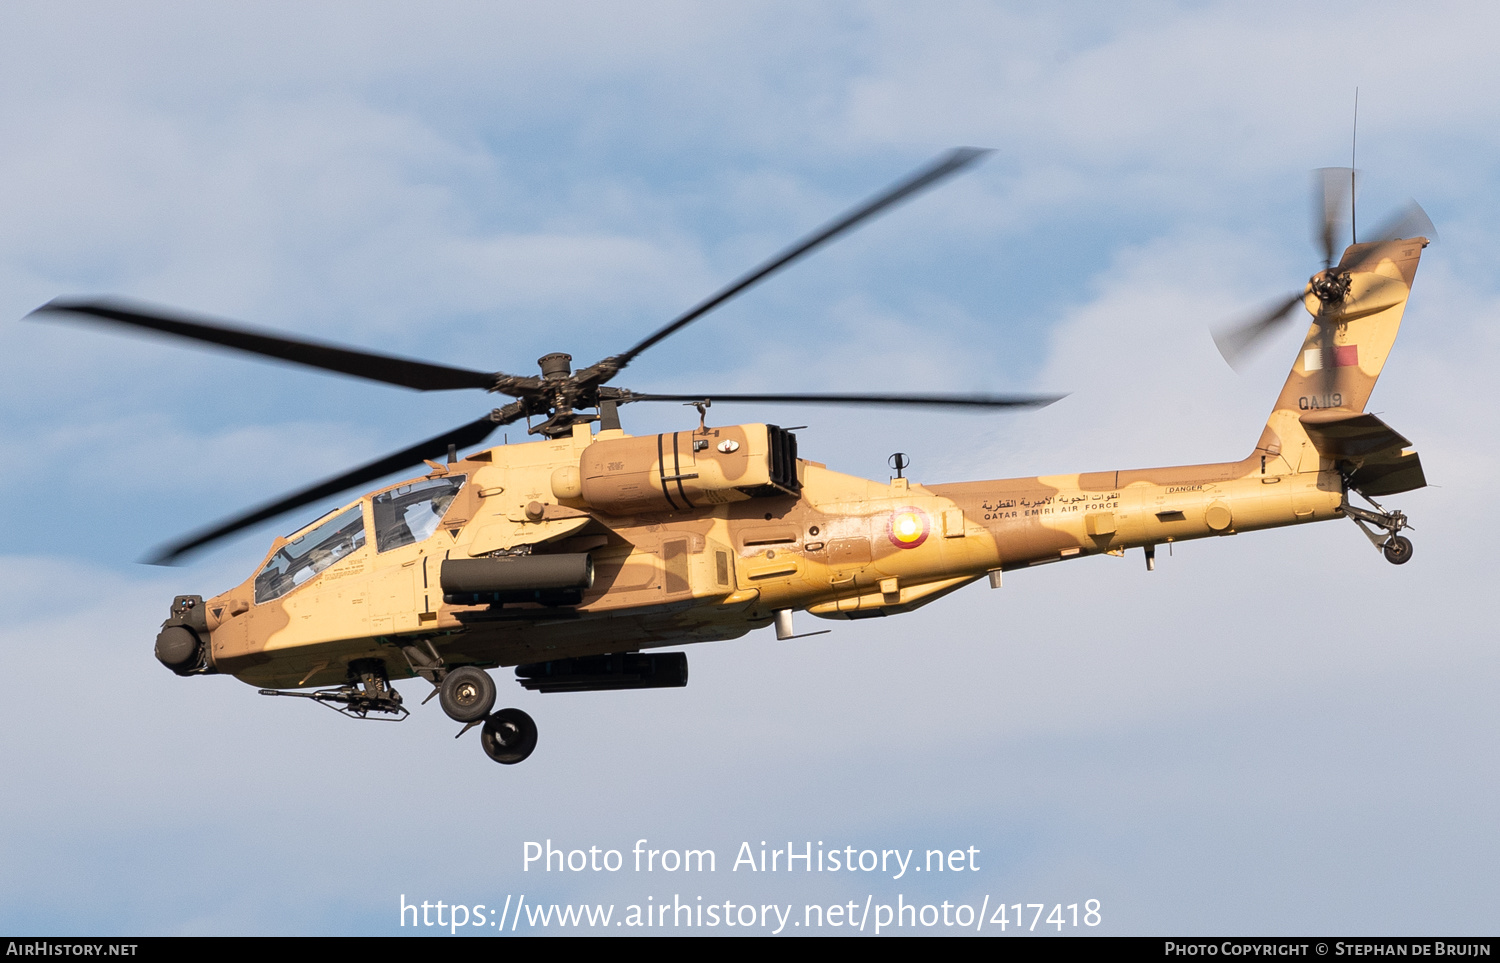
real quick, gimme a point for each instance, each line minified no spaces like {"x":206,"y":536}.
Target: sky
{"x":1272,"y":734}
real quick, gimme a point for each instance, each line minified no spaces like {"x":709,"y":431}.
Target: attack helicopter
{"x":570,"y":556}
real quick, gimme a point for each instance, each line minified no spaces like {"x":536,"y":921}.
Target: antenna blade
{"x":389,"y":369}
{"x":944,"y":167}
{"x":463,"y":437}
{"x":1353,"y":163}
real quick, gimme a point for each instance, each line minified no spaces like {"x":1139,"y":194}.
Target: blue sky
{"x":1278,"y":733}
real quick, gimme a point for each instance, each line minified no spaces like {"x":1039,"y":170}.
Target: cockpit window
{"x":302,"y":558}
{"x":411,"y":513}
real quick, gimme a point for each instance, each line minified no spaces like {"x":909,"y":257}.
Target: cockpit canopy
{"x":403,"y":515}
{"x":410,"y":513}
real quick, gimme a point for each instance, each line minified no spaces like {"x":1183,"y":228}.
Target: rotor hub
{"x":556,"y":366}
{"x":558,"y":397}
{"x":1331,"y":287}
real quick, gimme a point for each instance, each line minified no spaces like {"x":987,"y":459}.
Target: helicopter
{"x":568,"y":557}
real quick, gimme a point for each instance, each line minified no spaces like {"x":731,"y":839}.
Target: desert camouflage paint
{"x":705,"y":534}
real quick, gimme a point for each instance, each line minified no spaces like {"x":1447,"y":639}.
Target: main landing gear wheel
{"x":467,"y":694}
{"x":1397,"y":549}
{"x":508,"y":736}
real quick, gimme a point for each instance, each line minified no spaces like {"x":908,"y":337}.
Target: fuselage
{"x":707,"y":534}
{"x":840,"y":547}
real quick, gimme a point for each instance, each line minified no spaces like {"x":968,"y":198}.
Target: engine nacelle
{"x":688,"y":469}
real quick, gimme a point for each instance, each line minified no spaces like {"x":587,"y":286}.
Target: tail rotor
{"x":1332,"y":207}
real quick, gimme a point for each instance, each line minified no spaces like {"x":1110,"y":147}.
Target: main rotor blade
{"x":1235,"y":343}
{"x":950,"y":163}
{"x":463,"y":437}
{"x":935,"y":401}
{"x":362,"y":364}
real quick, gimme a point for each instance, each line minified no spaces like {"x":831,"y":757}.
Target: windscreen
{"x":302,"y":558}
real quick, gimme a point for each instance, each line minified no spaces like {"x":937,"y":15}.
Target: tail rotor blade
{"x":1409,"y":221}
{"x":1328,"y":376}
{"x":1235,"y":343}
{"x":1333,"y":190}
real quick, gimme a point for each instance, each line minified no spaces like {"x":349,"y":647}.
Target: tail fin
{"x":1345,"y":350}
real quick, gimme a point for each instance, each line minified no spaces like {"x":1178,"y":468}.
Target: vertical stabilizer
{"x":1349,"y":339}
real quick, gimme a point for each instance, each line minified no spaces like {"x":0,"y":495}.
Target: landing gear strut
{"x":1396,"y":547}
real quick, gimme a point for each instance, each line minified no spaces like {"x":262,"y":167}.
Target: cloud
{"x":1265,"y":733}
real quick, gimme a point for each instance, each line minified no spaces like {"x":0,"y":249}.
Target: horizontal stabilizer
{"x":1388,"y":473}
{"x":1341,"y":434}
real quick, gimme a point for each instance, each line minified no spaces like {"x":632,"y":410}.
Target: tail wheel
{"x":467,"y":694}
{"x":508,"y":736}
{"x":1397,"y":549}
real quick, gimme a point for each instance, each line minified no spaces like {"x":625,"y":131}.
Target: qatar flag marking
{"x":1343,"y":356}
